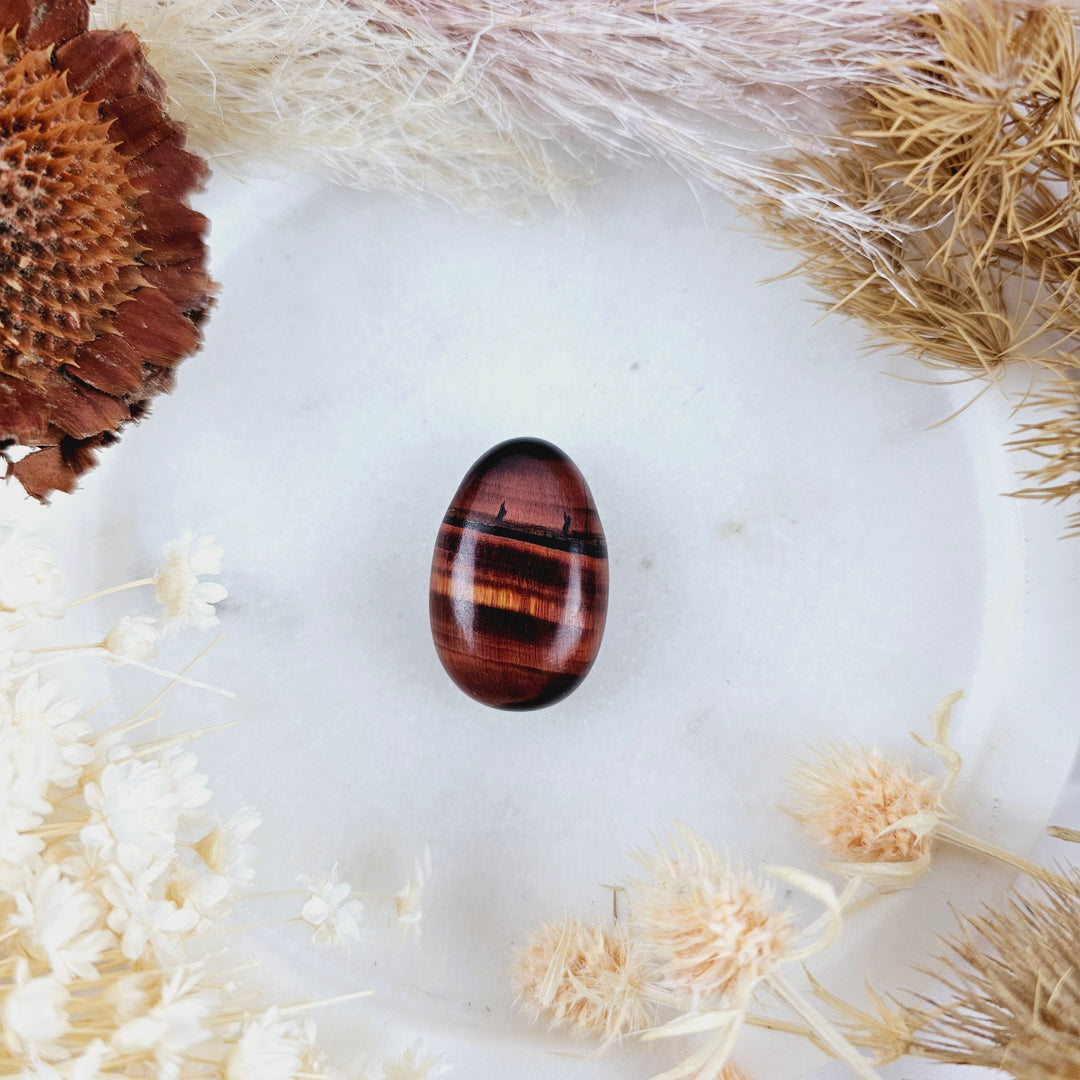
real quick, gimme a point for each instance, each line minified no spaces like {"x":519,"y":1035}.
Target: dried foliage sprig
{"x":118,"y":883}
{"x":102,"y":260}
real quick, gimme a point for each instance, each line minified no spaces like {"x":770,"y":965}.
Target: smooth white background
{"x":801,"y":552}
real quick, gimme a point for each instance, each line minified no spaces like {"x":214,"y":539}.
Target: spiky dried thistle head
{"x":1011,"y":982}
{"x":849,"y":799}
{"x":1054,"y":439}
{"x":945,"y":220}
{"x":712,"y":929}
{"x":588,"y":979}
{"x":103,"y":281}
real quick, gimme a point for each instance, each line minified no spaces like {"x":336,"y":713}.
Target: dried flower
{"x":269,"y":1048}
{"x":60,"y":922}
{"x":133,"y":638}
{"x":945,"y":217}
{"x":1011,"y":988}
{"x":113,"y":872}
{"x":713,"y":929}
{"x":103,"y":262}
{"x":29,"y":582}
{"x":716,"y":938}
{"x":187,"y":602}
{"x":588,"y":979}
{"x":34,"y":1013}
{"x":409,"y":900}
{"x":1054,"y":440}
{"x":329,"y":910}
{"x":227,"y":854}
{"x":880,"y":818}
{"x":415,"y":1065}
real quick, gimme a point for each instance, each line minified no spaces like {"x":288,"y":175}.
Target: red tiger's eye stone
{"x":519,"y":580}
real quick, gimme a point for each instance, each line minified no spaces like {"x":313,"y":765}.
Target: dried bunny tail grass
{"x":1055,"y":440}
{"x":586,"y":978}
{"x":360,"y":93}
{"x":1013,"y":986}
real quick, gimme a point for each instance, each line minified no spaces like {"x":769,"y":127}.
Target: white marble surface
{"x":799,"y":553}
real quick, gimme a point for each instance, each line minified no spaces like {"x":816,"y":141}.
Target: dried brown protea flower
{"x":102,"y":262}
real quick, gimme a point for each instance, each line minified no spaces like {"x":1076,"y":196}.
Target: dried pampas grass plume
{"x":489,"y":105}
{"x":361,"y":93}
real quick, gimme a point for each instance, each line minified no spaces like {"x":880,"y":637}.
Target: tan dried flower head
{"x":103,"y":281}
{"x":847,"y":796}
{"x":1012,"y":978}
{"x":587,"y":979}
{"x":712,"y":929}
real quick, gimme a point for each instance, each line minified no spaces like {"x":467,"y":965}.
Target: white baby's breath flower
{"x":173,"y":1025}
{"x":409,"y":901}
{"x":269,"y":1048}
{"x":29,"y":582}
{"x":148,"y":924}
{"x":60,"y":922}
{"x":415,"y":1065}
{"x":134,"y":815}
{"x":187,"y":602}
{"x":133,"y":638}
{"x":329,"y":910}
{"x":226,"y":853}
{"x":34,"y":1014}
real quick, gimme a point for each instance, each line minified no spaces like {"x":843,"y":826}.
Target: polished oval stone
{"x":519,"y":580}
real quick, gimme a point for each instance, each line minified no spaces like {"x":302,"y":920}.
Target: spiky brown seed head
{"x":103,"y":279}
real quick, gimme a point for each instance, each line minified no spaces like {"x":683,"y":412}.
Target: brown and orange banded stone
{"x":519,"y":581}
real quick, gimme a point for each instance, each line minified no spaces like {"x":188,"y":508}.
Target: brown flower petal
{"x":103,"y":281}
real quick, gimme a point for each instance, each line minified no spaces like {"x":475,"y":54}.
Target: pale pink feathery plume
{"x":492,"y":104}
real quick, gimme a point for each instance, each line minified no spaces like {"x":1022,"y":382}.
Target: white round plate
{"x":801,"y":551}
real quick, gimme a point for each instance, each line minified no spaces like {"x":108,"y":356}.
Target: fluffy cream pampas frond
{"x":490,"y":105}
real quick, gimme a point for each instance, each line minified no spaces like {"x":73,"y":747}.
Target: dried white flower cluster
{"x":113,"y":868}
